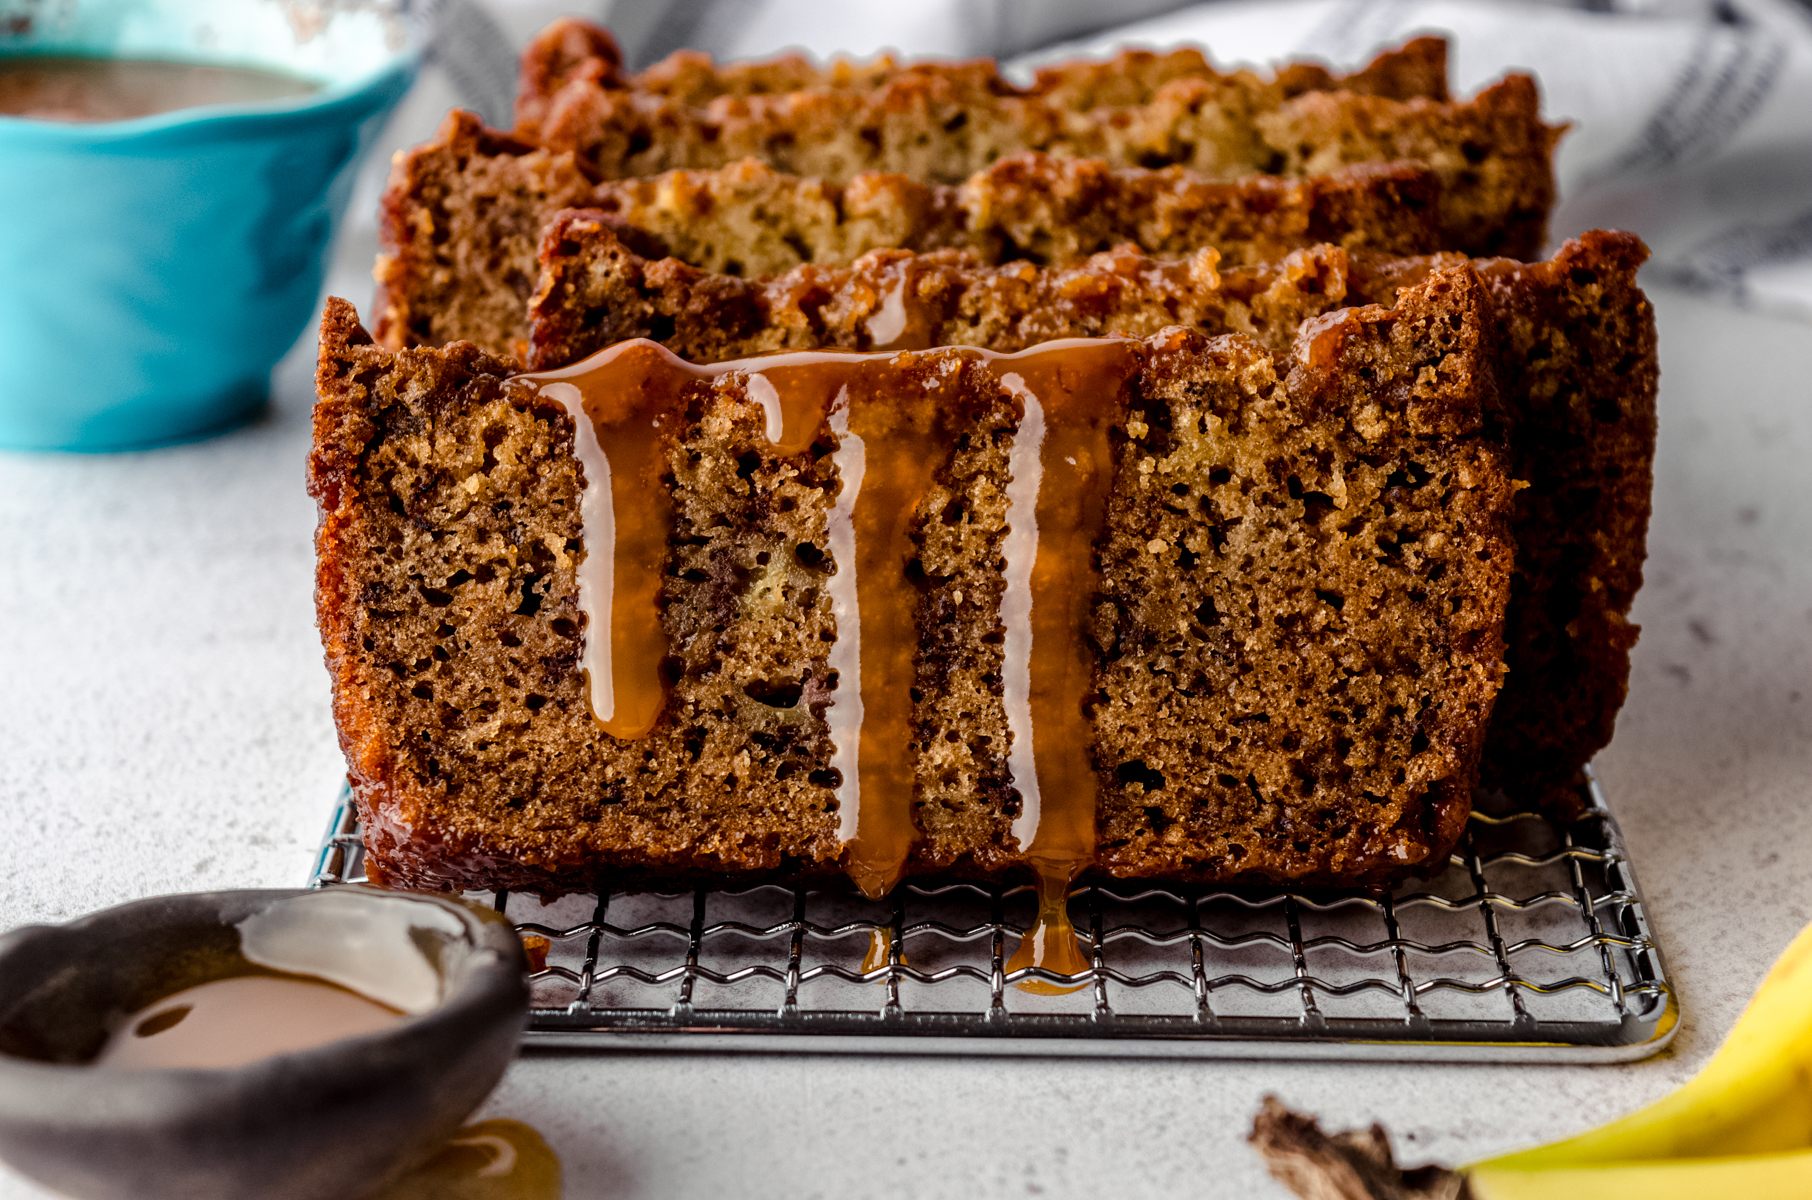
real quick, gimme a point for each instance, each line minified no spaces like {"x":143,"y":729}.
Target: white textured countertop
{"x":164,"y":727}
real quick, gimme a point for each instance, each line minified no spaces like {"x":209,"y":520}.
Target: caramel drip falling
{"x":1061,"y":470}
{"x":893,"y":432}
{"x":618,"y":400}
{"x":1051,"y":941}
{"x":880,"y":951}
{"x":892,"y":435}
{"x":902,"y":442}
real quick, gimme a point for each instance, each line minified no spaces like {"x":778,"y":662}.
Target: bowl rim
{"x":354,"y":96}
{"x":480,"y":986}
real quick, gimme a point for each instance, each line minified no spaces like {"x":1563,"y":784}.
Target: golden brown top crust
{"x":944,"y":122}
{"x":694,"y":78}
{"x":568,"y":51}
{"x":1418,"y":68}
{"x":573,"y":49}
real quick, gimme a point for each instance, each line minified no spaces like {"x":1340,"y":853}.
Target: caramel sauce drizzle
{"x":1061,"y":469}
{"x":893,"y":430}
{"x":617,"y":400}
{"x":1051,"y":941}
{"x":880,"y":951}
{"x":900,"y":320}
{"x":895,"y":440}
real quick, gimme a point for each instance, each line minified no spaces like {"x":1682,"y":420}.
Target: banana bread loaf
{"x":1240,"y":613}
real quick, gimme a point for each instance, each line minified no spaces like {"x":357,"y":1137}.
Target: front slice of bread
{"x":1574,"y":339}
{"x":1283,"y":550}
{"x":447,"y":599}
{"x":448,"y":604}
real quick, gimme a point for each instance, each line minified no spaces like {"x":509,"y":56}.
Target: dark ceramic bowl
{"x":335,"y":1120}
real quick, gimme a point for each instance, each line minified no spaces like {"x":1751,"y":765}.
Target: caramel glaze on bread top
{"x":1296,"y":630}
{"x":1574,"y":337}
{"x":945,"y":121}
{"x":464,"y":213}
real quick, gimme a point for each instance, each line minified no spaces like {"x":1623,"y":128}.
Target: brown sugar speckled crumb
{"x":1309,"y":511}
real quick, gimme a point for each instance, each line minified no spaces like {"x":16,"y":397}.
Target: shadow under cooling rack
{"x":1531,"y":946}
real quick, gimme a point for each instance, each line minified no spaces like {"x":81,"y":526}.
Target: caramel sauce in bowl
{"x":288,"y":1045}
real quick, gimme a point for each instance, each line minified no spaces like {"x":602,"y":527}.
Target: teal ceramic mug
{"x":153,"y":271}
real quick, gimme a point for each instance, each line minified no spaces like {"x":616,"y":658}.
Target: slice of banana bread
{"x":1333,"y":521}
{"x":464,"y":212}
{"x":748,"y":219}
{"x":944,"y":122}
{"x":1574,"y":336}
{"x":573,"y":50}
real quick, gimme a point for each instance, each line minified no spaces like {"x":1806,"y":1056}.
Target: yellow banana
{"x":1742,"y":1128}
{"x":1753,"y":1098}
{"x":1751,"y":1177}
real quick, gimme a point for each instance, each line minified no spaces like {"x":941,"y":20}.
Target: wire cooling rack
{"x":1532,"y":946}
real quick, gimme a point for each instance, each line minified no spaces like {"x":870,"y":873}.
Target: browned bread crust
{"x":458,"y":226}
{"x":1333,"y":521}
{"x":944,"y":122}
{"x":572,"y":49}
{"x":748,"y":219}
{"x":464,"y":211}
{"x":594,"y":291}
{"x":1577,"y":356}
{"x":1578,"y":349}
{"x":1575,"y":341}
